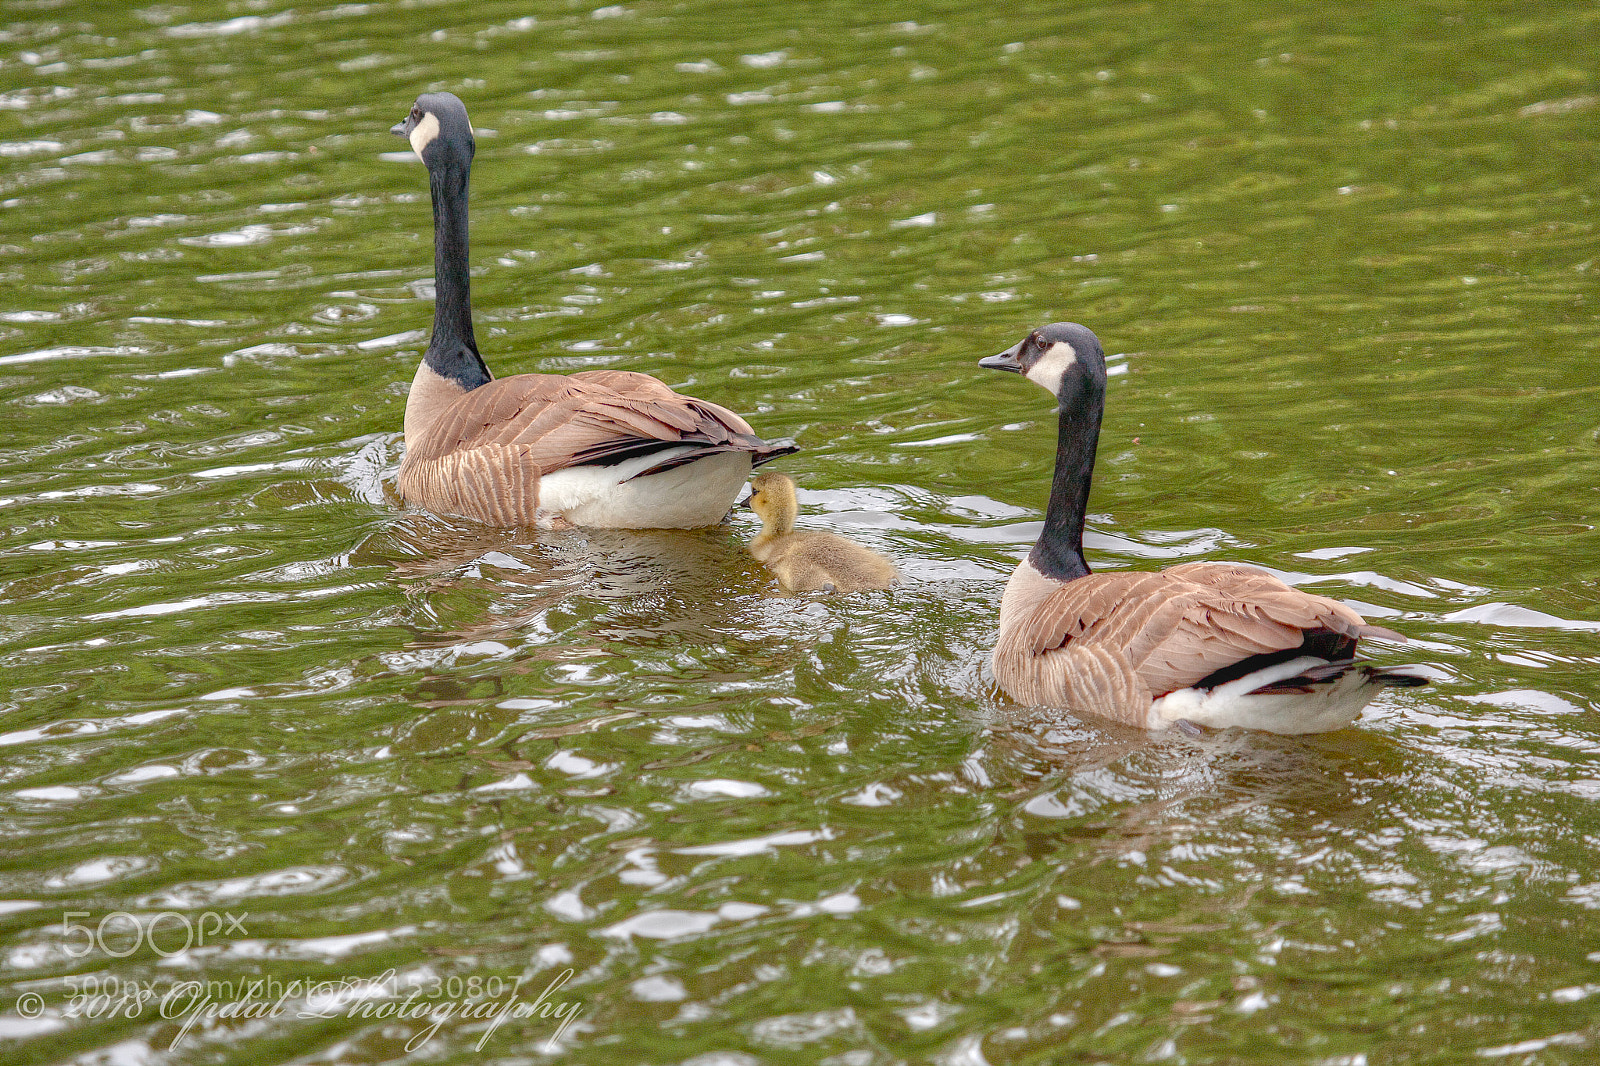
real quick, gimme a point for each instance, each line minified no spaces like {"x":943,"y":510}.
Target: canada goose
{"x":1214,"y":643}
{"x":599,"y":447}
{"x":809,"y":562}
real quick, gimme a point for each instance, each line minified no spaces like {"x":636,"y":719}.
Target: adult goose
{"x":605,"y":448}
{"x":1213,"y":643}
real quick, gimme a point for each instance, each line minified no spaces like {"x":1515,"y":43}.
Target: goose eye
{"x":416,"y":113}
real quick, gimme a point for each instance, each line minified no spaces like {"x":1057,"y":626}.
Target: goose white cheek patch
{"x":424,"y":133}
{"x":1048,"y":370}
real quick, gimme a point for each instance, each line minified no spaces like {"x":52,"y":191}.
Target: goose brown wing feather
{"x":483,"y":416}
{"x":497,"y":484}
{"x":625,"y":382}
{"x":642,"y":386}
{"x":1108,"y":608}
{"x":1099,"y":679}
{"x":1143,"y":613}
{"x":1180,"y":625}
{"x":585,"y":417}
{"x":1207,"y":638}
{"x":1272,"y":598}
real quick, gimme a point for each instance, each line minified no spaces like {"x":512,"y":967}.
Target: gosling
{"x":809,"y":562}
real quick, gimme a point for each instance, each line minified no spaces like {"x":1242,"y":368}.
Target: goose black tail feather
{"x":1396,"y":679}
{"x":767,"y":451}
{"x":774,"y":449}
{"x":1302,"y":683}
{"x":1329,"y":673}
{"x":611,"y":453}
{"x":1323,"y":643}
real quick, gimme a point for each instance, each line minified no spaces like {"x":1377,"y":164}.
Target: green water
{"x":1343,"y":260}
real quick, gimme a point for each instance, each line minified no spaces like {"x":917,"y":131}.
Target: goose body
{"x":1216,"y":644}
{"x":607,"y":448}
{"x":809,"y":561}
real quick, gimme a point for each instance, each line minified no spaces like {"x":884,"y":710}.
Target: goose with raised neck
{"x":609,"y":448}
{"x":1215,"y":644}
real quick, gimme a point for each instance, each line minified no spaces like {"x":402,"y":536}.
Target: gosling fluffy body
{"x":809,"y":561}
{"x":1211,"y":643}
{"x":608,"y":448}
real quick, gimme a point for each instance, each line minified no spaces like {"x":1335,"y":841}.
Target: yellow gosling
{"x":810,"y":561}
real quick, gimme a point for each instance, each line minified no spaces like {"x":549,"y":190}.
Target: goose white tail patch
{"x":1048,"y":370}
{"x":685,"y":497}
{"x":424,"y":133}
{"x":1325,"y":708}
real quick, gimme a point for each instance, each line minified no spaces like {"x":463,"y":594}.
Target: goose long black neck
{"x":453,"y":351}
{"x":1058,"y":553}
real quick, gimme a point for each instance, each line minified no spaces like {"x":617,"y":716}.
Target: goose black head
{"x":438,"y":130}
{"x":1059,"y":358}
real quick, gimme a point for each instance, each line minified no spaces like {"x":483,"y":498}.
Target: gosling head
{"x":772,"y":498}
{"x":1060,"y":358}
{"x":438,"y":130}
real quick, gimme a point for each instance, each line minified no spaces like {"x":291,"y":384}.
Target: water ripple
{"x":1346,"y":299}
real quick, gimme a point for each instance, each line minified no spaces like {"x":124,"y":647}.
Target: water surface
{"x":1343,"y":263}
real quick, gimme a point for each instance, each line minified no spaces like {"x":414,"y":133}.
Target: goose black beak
{"x":1006,"y":360}
{"x":744,"y":504}
{"x":402,"y":129}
